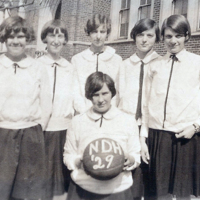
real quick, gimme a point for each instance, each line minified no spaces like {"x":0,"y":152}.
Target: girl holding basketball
{"x":97,"y":57}
{"x":172,"y":114}
{"x":24,"y":111}
{"x":102,"y":120}
{"x":132,"y":74}
{"x":60,"y":74}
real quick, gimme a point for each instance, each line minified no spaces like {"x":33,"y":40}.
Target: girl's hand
{"x":78,"y":162}
{"x":129,"y":161}
{"x":187,"y":133}
{"x":144,"y":150}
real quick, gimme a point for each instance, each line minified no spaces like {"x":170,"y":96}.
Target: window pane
{"x":148,"y":1}
{"x":145,"y":12}
{"x":142,"y":2}
{"x":180,"y":7}
{"x":124,"y":30}
{"x":124,"y":16}
{"x":123,"y":5}
{"x":128,"y":3}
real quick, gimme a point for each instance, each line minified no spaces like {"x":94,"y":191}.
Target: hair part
{"x":179,"y":24}
{"x":16,"y":24}
{"x":95,"y":22}
{"x":144,"y":25}
{"x":95,"y":82}
{"x":54,"y":26}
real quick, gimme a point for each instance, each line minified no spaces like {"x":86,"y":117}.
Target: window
{"x":124,"y":18}
{"x":180,"y":7}
{"x":145,"y":9}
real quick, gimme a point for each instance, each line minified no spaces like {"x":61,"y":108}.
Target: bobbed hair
{"x":16,"y":24}
{"x":96,"y":21}
{"x":51,"y":26}
{"x":144,"y":25}
{"x":179,"y":24}
{"x":95,"y":82}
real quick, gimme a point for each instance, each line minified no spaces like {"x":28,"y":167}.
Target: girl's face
{"x":16,"y":44}
{"x":145,"y":40}
{"x":98,"y":36}
{"x":55,"y":42}
{"x":101,"y":100}
{"x":174,"y":41}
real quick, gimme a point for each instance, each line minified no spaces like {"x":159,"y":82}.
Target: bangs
{"x":15,"y":30}
{"x":55,"y":30}
{"x":95,"y":86}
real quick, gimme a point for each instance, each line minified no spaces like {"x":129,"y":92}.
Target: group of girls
{"x":158,"y":114}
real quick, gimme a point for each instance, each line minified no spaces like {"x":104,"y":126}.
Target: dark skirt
{"x":138,"y":185}
{"x":22,"y":163}
{"x":174,"y":166}
{"x":77,"y":193}
{"x":58,"y":176}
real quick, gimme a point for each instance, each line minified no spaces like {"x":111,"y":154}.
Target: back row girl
{"x":172,"y":113}
{"x":60,"y":73}
{"x":97,"y":57}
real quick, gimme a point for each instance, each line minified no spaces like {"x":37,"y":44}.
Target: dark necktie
{"x":139,"y":104}
{"x":54,"y":83}
{"x":101,"y":118}
{"x":174,"y":58}
{"x":15,"y":67}
{"x":97,"y":67}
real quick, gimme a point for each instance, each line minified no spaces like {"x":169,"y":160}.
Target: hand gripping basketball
{"x":103,"y":158}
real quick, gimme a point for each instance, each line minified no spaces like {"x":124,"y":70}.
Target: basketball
{"x":103,"y":159}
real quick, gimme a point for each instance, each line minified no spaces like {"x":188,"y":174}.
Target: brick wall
{"x":102,"y":7}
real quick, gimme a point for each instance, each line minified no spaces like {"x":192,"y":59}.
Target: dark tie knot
{"x":16,"y":66}
{"x":99,"y":53}
{"x":55,"y":64}
{"x":173,"y":57}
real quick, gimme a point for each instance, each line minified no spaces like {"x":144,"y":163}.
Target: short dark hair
{"x":51,"y":26}
{"x":96,"y":21}
{"x":178,"y":23}
{"x":95,"y":82}
{"x":143,"y":25}
{"x":16,"y":24}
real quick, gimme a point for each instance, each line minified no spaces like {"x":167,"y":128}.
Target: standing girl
{"x":24,"y":110}
{"x":96,"y":58}
{"x":59,"y":72}
{"x":172,"y":113}
{"x":131,"y":78}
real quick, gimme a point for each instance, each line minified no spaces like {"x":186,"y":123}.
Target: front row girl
{"x":60,"y":73}
{"x":172,"y":113}
{"x":24,"y":112}
{"x":101,"y":120}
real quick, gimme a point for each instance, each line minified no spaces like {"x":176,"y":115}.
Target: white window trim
{"x":193,"y":14}
{"x":133,"y":18}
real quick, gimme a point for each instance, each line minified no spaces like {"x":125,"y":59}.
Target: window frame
{"x":142,"y":6}
{"x":120,"y":19}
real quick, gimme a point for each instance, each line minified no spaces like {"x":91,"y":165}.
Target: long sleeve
{"x":121,"y":85}
{"x":71,"y":147}
{"x":145,"y":112}
{"x":78,"y":99}
{"x":133,"y":145}
{"x":45,"y":98}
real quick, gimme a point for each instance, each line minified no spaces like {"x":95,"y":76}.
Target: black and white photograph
{"x":99,"y":99}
